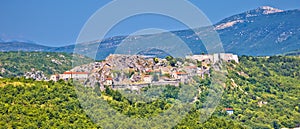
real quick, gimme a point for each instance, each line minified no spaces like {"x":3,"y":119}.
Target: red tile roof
{"x":180,"y":73}
{"x":229,"y":109}
{"x":108,"y":79}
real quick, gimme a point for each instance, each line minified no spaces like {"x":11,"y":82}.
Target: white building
{"x":108,"y":82}
{"x":215,"y":57}
{"x":165,"y":70}
{"x":147,"y":78}
{"x":182,"y":76}
{"x":191,"y":70}
{"x":229,"y":57}
{"x":203,"y":58}
{"x":73,"y":75}
{"x":54,"y":77}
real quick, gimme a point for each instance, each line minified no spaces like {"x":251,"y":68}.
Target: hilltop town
{"x":121,"y":71}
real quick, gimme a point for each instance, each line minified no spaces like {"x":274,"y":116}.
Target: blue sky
{"x":58,"y":22}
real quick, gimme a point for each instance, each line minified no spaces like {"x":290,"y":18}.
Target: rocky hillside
{"x":36,"y":63}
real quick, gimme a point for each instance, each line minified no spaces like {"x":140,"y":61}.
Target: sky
{"x":58,"y":22}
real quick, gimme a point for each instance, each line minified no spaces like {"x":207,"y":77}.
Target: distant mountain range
{"x":260,"y":32}
{"x":293,"y":53}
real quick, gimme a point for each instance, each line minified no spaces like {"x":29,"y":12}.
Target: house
{"x":54,"y":77}
{"x":135,"y":78}
{"x":147,"y":78}
{"x":181,"y":76}
{"x":108,"y":82}
{"x":106,"y":69}
{"x":191,"y":70}
{"x":229,"y":57}
{"x":97,"y":65}
{"x":202,"y":58}
{"x":215,"y":57}
{"x":148,"y":72}
{"x":229,"y":111}
{"x":165,"y":70}
{"x":74,"y":75}
{"x":261,"y":103}
{"x":174,"y":75}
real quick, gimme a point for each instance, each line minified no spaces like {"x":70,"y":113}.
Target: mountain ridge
{"x":262,"y":31}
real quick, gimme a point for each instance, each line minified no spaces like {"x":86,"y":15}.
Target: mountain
{"x":293,"y":53}
{"x":260,"y":32}
{"x":263,"y":31}
{"x":22,"y":46}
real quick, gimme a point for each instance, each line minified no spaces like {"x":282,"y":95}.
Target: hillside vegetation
{"x":36,"y":104}
{"x":264,"y":93}
{"x":14,"y":64}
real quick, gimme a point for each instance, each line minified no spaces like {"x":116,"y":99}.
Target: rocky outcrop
{"x":36,"y":75}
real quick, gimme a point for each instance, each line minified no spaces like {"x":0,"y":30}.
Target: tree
{"x":169,"y":58}
{"x":156,"y":60}
{"x":276,"y":125}
{"x":155,"y":78}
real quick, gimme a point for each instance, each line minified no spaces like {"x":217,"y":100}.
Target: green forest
{"x":263,"y":92}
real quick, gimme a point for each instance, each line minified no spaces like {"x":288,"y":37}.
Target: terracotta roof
{"x":229,"y":109}
{"x":75,"y":72}
{"x":180,"y":73}
{"x":108,"y":79}
{"x":149,"y":70}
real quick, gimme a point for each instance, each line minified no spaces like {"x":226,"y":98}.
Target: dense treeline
{"x":33,"y":104}
{"x":14,"y":64}
{"x":264,"y":93}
